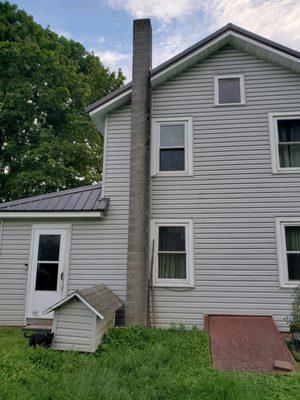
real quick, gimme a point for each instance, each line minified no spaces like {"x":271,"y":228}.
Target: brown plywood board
{"x":246,"y":343}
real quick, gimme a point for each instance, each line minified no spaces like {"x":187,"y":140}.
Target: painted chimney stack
{"x":137,"y":259}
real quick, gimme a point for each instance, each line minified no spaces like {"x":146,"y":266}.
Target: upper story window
{"x":285,"y":142}
{"x":171,"y":152}
{"x":229,"y":90}
{"x":173,"y":252}
{"x":288,"y":239}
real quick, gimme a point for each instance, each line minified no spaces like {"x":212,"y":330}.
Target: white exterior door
{"x":47,"y":270}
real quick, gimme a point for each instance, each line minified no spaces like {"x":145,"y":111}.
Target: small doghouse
{"x":81,"y":319}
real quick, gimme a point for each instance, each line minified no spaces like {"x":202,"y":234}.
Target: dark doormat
{"x":247,"y":343}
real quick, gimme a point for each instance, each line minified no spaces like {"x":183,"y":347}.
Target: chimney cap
{"x":142,"y":24}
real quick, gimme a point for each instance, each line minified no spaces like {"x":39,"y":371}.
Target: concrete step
{"x":38,"y":325}
{"x":37,"y":328}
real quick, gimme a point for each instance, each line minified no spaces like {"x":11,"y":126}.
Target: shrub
{"x":294,"y":319}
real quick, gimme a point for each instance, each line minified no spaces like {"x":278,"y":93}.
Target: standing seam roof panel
{"x":86,"y":198}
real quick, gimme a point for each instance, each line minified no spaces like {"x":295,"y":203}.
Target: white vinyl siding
{"x":74,"y":327}
{"x":98,"y":247}
{"x":78,"y":328}
{"x":14,"y":255}
{"x":233,"y":196}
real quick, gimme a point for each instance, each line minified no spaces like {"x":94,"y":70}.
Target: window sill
{"x":172,"y":174}
{"x":286,"y":171}
{"x":229,"y":104}
{"x":174,"y":285}
{"x":289,"y":285}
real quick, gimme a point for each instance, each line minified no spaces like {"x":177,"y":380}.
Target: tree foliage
{"x":47,"y":140}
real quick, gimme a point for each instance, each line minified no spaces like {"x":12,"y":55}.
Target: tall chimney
{"x":137,"y":259}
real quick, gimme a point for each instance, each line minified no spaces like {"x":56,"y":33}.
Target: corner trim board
{"x":104,"y":157}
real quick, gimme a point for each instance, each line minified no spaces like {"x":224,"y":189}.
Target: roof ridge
{"x":51,"y":195}
{"x":166,"y":64}
{"x":218,"y":32}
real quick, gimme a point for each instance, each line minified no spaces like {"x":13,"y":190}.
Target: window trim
{"x":188,"y":145}
{"x":274,"y":142}
{"x":280,"y":224}
{"x":188,"y":224}
{"x":242,"y":90}
{"x":1,"y":235}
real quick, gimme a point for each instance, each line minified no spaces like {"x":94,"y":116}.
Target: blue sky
{"x":105,"y":26}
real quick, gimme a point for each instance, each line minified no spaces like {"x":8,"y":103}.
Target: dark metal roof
{"x":108,"y":97}
{"x":86,"y":198}
{"x":191,"y":49}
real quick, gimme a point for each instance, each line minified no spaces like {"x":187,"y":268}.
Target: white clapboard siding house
{"x":201,"y":186}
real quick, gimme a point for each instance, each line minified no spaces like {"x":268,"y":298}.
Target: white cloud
{"x":66,"y":34}
{"x":160,"y":9}
{"x":111,"y":57}
{"x":181,"y":23}
{"x":115,"y":60}
{"x":100,"y":40}
{"x":276,"y":19}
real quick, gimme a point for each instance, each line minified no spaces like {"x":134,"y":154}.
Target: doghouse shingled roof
{"x":98,"y":298}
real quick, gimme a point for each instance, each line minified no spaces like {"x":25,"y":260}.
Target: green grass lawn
{"x":135,"y":363}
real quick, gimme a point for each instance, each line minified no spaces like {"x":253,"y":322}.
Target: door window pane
{"x":172,"y":135}
{"x":229,"y":90}
{"x":171,"y":238}
{"x":171,"y":160}
{"x":46,"y":276}
{"x":289,"y":149}
{"x":294,"y":266}
{"x":49,"y":248}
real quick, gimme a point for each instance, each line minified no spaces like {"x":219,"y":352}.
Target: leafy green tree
{"x":47,"y":140}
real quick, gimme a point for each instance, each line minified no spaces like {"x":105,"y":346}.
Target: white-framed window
{"x":173,"y":252}
{"x":285,"y":141}
{"x":229,"y":90}
{"x":288,"y":247}
{"x":172,"y":146}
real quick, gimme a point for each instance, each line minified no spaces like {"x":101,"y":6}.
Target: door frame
{"x":49,"y":225}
